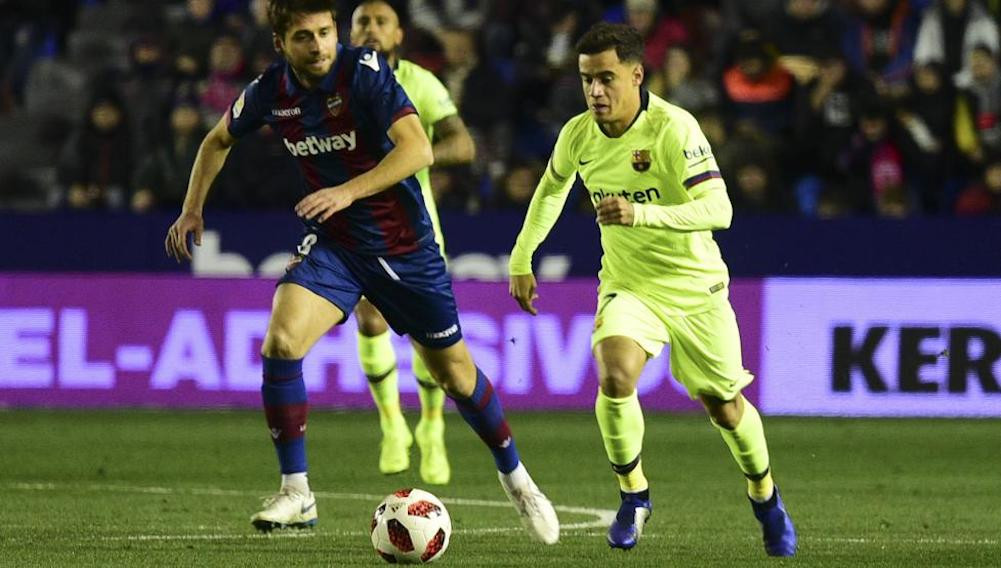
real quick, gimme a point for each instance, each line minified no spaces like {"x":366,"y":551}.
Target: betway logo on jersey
{"x":314,"y":145}
{"x":697,"y":152}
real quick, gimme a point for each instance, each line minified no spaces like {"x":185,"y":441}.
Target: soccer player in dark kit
{"x":358,"y":142}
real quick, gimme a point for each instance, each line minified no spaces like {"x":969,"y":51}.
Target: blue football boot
{"x":776,"y":526}
{"x":627,"y":527}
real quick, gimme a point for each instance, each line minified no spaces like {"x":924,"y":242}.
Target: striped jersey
{"x":337,"y":131}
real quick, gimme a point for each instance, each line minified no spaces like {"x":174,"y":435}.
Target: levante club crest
{"x":641,"y":160}
{"x":334,"y":103}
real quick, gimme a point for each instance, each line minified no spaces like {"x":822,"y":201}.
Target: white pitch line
{"x":602,"y":517}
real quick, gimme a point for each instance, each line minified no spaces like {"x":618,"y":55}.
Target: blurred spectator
{"x":225,"y":80}
{"x":734,"y":147}
{"x":162,"y":177}
{"x":435,"y":15}
{"x":977,"y":126}
{"x":983,"y":197}
{"x":949,"y":34}
{"x":146,"y":89}
{"x":754,"y":187}
{"x":518,"y":186}
{"x":894,"y":203}
{"x":874,"y":161}
{"x":482,"y":98}
{"x":735,"y":17}
{"x":826,"y":113}
{"x":927,"y":118}
{"x":258,"y":44}
{"x":806,"y":32}
{"x":832,"y":203}
{"x":675,"y":83}
{"x":96,"y":166}
{"x":757,"y":15}
{"x":191,"y":38}
{"x":879,"y":41}
{"x":757,"y":88}
{"x":659,"y":31}
{"x":455,"y":189}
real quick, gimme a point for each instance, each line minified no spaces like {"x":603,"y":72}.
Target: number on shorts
{"x":307,"y":244}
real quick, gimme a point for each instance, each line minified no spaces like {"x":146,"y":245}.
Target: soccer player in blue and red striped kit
{"x":358,"y":142}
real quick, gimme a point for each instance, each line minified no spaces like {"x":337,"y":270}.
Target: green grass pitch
{"x":132,"y":488}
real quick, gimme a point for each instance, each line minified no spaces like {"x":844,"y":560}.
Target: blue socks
{"x":285,"y":406}
{"x":483,"y":412}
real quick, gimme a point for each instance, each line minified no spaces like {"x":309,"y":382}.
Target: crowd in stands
{"x":819,"y":108}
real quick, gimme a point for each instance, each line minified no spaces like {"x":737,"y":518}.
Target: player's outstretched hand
{"x":615,"y":211}
{"x":323,"y":203}
{"x":176,"y":242}
{"x":523,"y":289}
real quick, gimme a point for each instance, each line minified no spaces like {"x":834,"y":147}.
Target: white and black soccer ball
{"x":411,"y":526}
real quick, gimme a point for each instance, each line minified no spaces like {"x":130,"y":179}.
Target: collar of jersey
{"x":644,"y":103}
{"x":326,"y":85}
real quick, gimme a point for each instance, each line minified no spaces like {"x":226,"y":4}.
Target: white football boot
{"x":537,"y":514}
{"x":286,"y":509}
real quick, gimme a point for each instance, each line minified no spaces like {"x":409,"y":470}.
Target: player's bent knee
{"x":279,"y":344}
{"x":616,"y":381}
{"x":725,"y":413}
{"x":370,"y":319}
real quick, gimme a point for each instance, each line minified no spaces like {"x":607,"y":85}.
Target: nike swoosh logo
{"x":275,"y":432}
{"x":583,"y":163}
{"x":305,"y":509}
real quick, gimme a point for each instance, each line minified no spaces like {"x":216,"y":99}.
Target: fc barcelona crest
{"x":641,"y":160}
{"x":334,"y":104}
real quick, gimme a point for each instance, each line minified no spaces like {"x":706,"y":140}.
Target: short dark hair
{"x":280,"y":12}
{"x":628,"y":42}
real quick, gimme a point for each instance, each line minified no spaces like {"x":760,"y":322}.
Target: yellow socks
{"x":378,"y":362}
{"x":750,"y":450}
{"x":621,"y":423}
{"x":432,"y":396}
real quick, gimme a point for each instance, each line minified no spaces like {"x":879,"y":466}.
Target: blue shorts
{"x":413,"y":291}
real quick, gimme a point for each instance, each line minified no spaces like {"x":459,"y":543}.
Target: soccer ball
{"x":411,"y":526}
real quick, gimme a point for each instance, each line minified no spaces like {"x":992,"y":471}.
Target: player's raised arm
{"x":210,"y":159}
{"x":411,"y":152}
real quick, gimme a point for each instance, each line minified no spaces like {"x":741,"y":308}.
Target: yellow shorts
{"x":705,"y":347}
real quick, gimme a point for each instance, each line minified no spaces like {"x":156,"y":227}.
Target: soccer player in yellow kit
{"x":658,"y":193}
{"x":376,"y":24}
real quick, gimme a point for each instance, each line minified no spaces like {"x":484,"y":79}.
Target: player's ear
{"x":276,"y":41}
{"x":638,"y":75}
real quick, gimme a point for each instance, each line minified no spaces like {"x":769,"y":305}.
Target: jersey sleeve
{"x":438,"y":103}
{"x":246,"y":114}
{"x":709,"y":208}
{"x":547,"y":203}
{"x":695,"y":160}
{"x":376,"y":86}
